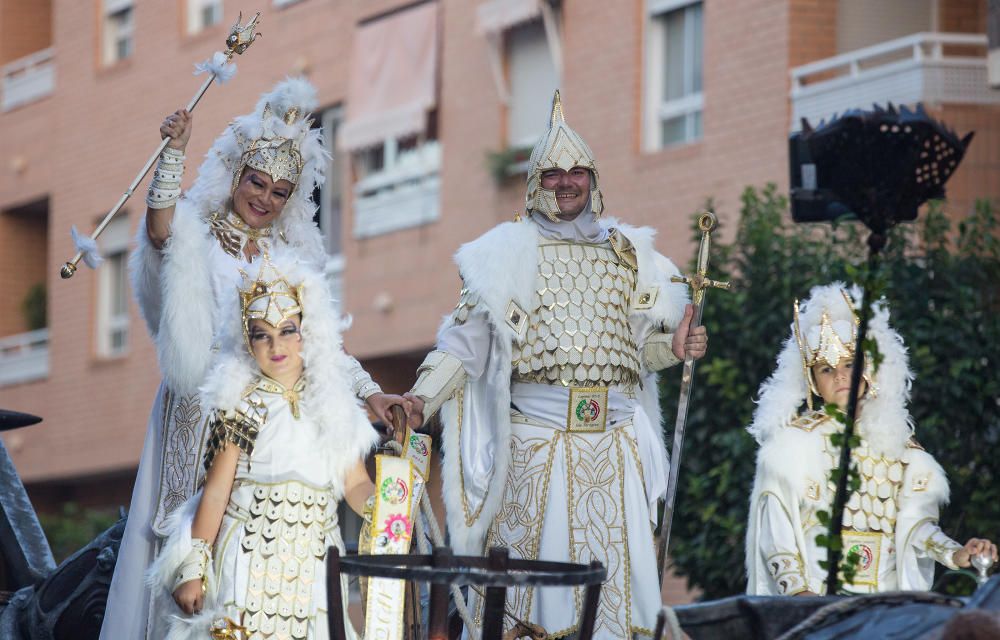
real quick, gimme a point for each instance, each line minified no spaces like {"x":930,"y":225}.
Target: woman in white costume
{"x":891,"y":521}
{"x":287,"y":442}
{"x":252,"y":195}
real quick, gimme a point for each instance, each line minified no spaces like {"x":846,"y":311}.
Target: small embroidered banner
{"x":397,"y":492}
{"x":868,"y":545}
{"x":418,"y":451}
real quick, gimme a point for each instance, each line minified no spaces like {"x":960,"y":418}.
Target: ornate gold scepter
{"x":218,"y":66}
{"x":698,"y":282}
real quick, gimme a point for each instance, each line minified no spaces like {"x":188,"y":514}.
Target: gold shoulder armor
{"x":809,"y":420}
{"x":238,"y":426}
{"x":624,"y":249}
{"x":466,"y":302}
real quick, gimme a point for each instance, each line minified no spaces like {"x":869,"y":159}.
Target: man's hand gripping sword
{"x":698,"y":282}
{"x":240,"y":38}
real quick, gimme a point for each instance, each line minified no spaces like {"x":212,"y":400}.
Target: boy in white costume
{"x":545,"y":376}
{"x":892,"y":520}
{"x":287,"y":442}
{"x":253,"y":194}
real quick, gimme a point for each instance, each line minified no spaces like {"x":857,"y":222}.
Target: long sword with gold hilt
{"x":239,"y":39}
{"x":699,"y":282}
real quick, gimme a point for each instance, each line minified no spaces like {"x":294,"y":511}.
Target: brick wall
{"x":811,"y":30}
{"x":25,"y":27}
{"x":962,"y":16}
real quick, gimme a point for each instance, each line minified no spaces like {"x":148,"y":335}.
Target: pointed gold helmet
{"x":559,"y":148}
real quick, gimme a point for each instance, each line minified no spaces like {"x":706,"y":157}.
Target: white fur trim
{"x":186,"y":328}
{"x":145,"y":266}
{"x":87,"y":247}
{"x":161,"y":573}
{"x":218,"y":65}
{"x":514,"y":245}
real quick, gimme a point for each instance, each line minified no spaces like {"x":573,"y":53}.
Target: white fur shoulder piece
{"x":186,"y":328}
{"x":501,"y":266}
{"x":794,"y":458}
{"x":655,"y":270}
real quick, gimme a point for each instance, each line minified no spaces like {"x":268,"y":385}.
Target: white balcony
{"x":916,"y":68}
{"x":406,"y":195}
{"x":28,"y":79}
{"x":24,"y":357}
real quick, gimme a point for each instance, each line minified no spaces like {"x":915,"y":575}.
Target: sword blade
{"x":675,"y":458}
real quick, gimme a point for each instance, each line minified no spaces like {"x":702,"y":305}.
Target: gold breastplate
{"x":578,"y":331}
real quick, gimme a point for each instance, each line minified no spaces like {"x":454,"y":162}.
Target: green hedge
{"x":943,"y":284}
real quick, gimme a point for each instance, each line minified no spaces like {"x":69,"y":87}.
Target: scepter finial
{"x":241,"y":37}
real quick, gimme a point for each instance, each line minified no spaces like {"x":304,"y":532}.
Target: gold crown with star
{"x":279,"y":156}
{"x":269,"y":297}
{"x":831,"y":341}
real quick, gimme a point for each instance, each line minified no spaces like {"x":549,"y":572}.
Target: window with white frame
{"x":112,"y":291}
{"x":674,"y":99}
{"x":118,"y":31}
{"x":532,"y":78}
{"x":202,"y":14}
{"x":328,"y":199}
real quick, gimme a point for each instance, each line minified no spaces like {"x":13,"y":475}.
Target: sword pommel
{"x":707,"y":222}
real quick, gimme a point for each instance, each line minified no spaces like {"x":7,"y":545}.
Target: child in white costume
{"x":252,"y":195}
{"x":287,"y":442}
{"x":892,"y":520}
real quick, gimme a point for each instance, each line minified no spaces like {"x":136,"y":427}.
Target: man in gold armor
{"x":545,"y":377}
{"x":891,"y":520}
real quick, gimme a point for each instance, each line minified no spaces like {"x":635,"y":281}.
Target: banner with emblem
{"x":397,"y":494}
{"x":418,"y":451}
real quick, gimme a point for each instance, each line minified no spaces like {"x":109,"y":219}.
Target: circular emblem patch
{"x":418,"y":445}
{"x":588,"y":411}
{"x":394,"y":490}
{"x":865,"y":554}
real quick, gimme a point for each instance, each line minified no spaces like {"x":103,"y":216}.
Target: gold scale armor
{"x":285,"y":533}
{"x":578,"y":333}
{"x":873,"y":506}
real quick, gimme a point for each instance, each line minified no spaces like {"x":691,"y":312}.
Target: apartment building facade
{"x":428,"y":107}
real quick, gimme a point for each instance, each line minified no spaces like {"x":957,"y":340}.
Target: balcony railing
{"x":24,"y":357}
{"x":28,"y":79}
{"x":934,"y":68}
{"x":406,"y":195}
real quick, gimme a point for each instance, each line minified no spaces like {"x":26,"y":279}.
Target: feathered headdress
{"x":823,"y":325}
{"x":277,"y":138}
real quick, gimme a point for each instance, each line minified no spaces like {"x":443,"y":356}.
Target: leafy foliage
{"x":33,"y":307}
{"x":941,"y":284}
{"x":73,"y":527}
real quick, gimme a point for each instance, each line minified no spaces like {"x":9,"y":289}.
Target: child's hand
{"x":190,"y":596}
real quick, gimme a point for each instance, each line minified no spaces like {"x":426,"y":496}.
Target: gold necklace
{"x":233,"y":234}
{"x":291,"y":395}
